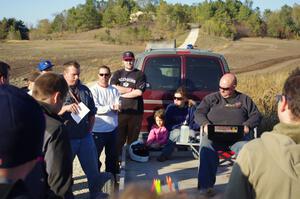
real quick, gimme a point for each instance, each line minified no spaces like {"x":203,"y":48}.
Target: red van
{"x":167,"y":69}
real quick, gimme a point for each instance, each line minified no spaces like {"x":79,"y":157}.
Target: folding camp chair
{"x":227,"y":135}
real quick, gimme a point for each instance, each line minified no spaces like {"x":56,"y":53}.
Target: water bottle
{"x":184,"y":133}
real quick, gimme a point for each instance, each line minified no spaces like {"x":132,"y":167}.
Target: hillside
{"x":245,"y":55}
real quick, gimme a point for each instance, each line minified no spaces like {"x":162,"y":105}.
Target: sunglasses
{"x":224,"y":89}
{"x":278,"y":97}
{"x":104,"y":74}
{"x":178,"y":98}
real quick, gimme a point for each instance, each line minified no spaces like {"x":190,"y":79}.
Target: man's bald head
{"x":227,"y":85}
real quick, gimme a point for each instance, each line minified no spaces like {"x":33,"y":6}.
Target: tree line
{"x":226,"y":18}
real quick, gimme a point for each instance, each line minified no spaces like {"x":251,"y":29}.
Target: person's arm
{"x":93,"y":110}
{"x":72,"y":108}
{"x":132,"y":94}
{"x":239,"y":185}
{"x":91,"y":121}
{"x":58,"y":158}
{"x":164,"y":138}
{"x":140,"y":87}
{"x":122,"y":89}
{"x":102,"y":108}
{"x":202,"y":111}
{"x":168,"y":117}
{"x":114,"y":81}
{"x":254,"y":116}
{"x":192,"y":124}
{"x":151,"y":137}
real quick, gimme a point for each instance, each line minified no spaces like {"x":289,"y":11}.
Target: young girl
{"x":158,"y":135}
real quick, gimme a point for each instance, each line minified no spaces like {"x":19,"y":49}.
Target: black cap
{"x":22,"y":127}
{"x":128,"y":55}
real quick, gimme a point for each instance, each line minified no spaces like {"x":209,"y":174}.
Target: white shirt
{"x":106,"y":119}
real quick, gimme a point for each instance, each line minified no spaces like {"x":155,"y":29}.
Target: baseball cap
{"x":44,"y":65}
{"x":22,"y":127}
{"x":128,"y":55}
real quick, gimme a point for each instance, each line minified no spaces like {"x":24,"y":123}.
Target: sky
{"x":31,"y":11}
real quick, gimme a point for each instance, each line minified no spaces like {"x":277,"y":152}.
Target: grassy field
{"x":24,"y":56}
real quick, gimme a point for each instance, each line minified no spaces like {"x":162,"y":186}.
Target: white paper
{"x":82,"y":112}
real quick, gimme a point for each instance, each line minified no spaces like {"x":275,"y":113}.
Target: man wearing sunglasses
{"x":226,"y":107}
{"x":106,"y":98}
{"x":131,"y":83}
{"x":268,"y":167}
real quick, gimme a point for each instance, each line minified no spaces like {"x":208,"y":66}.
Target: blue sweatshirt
{"x":175,"y":117}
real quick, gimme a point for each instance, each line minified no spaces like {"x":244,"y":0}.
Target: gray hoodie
{"x":268,"y":167}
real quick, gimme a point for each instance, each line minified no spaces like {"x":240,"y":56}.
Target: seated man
{"x":268,"y":167}
{"x":179,"y":113}
{"x":227,"y":106}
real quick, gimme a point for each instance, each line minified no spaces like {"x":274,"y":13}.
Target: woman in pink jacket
{"x":158,"y":135}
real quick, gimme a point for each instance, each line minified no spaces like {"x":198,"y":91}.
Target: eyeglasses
{"x":224,"y":89}
{"x":178,"y":98}
{"x":104,"y":74}
{"x":278,"y":98}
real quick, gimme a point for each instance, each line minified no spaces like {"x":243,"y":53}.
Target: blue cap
{"x":22,"y":127}
{"x":44,"y":65}
{"x":190,"y":46}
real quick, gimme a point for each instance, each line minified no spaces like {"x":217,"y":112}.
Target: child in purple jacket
{"x":158,"y":135}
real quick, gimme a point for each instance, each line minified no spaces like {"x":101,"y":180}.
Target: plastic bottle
{"x":184,"y":133}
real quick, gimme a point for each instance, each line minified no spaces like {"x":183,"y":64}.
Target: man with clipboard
{"x":79,"y":113}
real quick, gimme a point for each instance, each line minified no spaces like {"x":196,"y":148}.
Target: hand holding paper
{"x":81,"y":113}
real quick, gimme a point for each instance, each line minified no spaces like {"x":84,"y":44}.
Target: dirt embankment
{"x":261,"y":55}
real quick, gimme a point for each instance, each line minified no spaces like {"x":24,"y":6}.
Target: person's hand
{"x":116,"y":107}
{"x":205,"y":129}
{"x":73,"y":108}
{"x":246,"y":129}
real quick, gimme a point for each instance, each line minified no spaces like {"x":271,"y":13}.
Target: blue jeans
{"x":209,"y":160}
{"x":109,"y":141}
{"x":85,"y":150}
{"x":171,"y":144}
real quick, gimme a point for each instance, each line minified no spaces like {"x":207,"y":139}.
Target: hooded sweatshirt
{"x":268,"y":167}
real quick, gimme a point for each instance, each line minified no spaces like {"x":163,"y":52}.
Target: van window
{"x":203,"y":73}
{"x":163,"y":73}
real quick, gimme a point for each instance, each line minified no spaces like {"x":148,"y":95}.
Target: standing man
{"x":131,"y":83}
{"x":80,"y":135}
{"x":21,"y":140}
{"x":268,"y":167}
{"x":227,"y":106}
{"x":50,"y":90}
{"x":4,"y":73}
{"x":105,"y":130}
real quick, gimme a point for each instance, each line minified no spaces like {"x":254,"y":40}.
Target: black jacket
{"x":57,"y":155}
{"x":15,"y":190}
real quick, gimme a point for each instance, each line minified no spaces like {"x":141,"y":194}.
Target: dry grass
{"x":24,"y":56}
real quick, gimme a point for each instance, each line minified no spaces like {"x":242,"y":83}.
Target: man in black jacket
{"x":226,"y":107}
{"x":50,"y":90}
{"x":22,"y":127}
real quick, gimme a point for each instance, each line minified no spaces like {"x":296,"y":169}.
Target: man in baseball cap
{"x":45,"y":66}
{"x":21,"y":139}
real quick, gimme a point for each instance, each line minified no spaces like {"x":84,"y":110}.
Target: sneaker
{"x":161,"y":158}
{"x":209,"y":192}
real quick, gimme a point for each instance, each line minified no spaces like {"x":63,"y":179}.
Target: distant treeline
{"x":229,"y":18}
